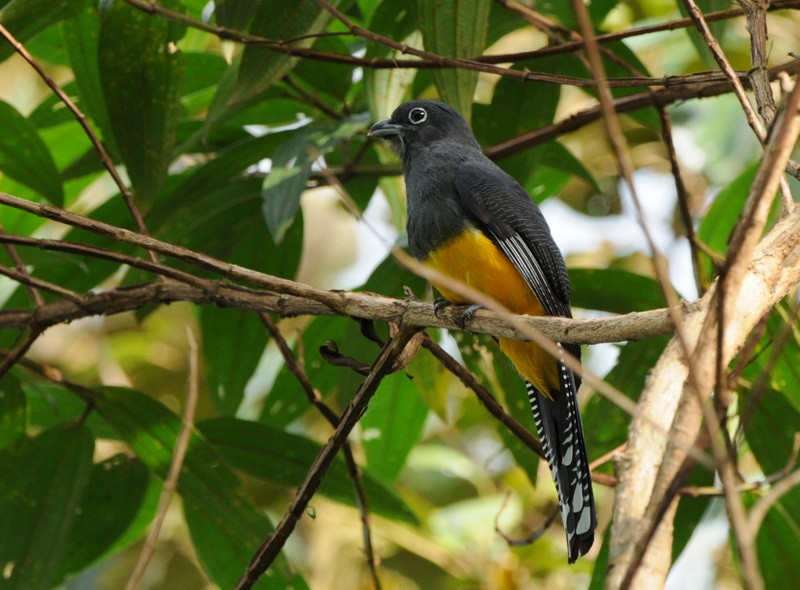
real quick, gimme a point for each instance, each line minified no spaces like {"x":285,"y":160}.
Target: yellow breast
{"x":473,"y":259}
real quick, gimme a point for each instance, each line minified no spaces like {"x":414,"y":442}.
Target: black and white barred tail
{"x":558,"y":424}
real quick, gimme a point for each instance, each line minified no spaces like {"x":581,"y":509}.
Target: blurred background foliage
{"x":223,"y":144}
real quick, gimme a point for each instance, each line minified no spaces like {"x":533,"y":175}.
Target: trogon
{"x":470,"y":220}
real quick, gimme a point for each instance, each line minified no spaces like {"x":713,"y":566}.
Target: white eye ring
{"x":417,"y":115}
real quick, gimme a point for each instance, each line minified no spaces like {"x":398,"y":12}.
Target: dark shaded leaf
{"x":119,"y":503}
{"x":40,"y":491}
{"x":13,"y":412}
{"x":283,"y":458}
{"x":258,"y":68}
{"x":211,"y":493}
{"x":233,"y":341}
{"x":770,"y":430}
{"x":140,"y":70}
{"x":81,"y":39}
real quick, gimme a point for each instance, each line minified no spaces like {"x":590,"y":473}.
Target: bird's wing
{"x":512,"y":220}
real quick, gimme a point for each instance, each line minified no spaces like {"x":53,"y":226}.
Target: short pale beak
{"x":385,"y":128}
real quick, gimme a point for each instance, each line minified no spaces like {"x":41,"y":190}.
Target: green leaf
{"x":235,"y":14}
{"x":40,"y":491}
{"x":13,"y":412}
{"x":233,"y":341}
{"x":614,"y":290}
{"x":283,"y":458}
{"x":259,"y":68}
{"x":140,"y":71}
{"x":723,"y":215}
{"x":208,"y":487}
{"x":392,"y":425}
{"x":81,"y":39}
{"x":777,"y":542}
{"x":291,"y":167}
{"x":458,"y":29}
{"x":770,"y":432}
{"x":25,"y":157}
{"x":119,"y":503}
{"x":26,"y":18}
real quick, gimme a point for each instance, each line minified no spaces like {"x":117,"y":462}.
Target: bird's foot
{"x":439,"y":304}
{"x":467,"y":315}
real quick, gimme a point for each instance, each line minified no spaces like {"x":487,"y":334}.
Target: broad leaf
{"x":134,"y":46}
{"x":120,"y":502}
{"x":233,"y":340}
{"x":283,"y":458}
{"x":392,"y":425}
{"x":13,"y":412}
{"x":81,"y":38}
{"x":455,"y":29}
{"x":26,"y":18}
{"x":291,"y":167}
{"x":25,"y":157}
{"x":614,"y":290}
{"x":258,"y":68}
{"x":40,"y":491}
{"x":208,"y":488}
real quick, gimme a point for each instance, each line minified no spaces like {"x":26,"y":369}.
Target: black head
{"x":422,"y":123}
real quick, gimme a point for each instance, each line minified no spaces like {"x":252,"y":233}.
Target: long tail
{"x":558,"y":423}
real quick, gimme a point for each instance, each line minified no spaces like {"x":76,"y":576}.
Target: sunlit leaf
{"x":392,"y":425}
{"x":25,"y":157}
{"x":455,"y":29}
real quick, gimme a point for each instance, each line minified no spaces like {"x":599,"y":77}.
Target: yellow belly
{"x":473,"y":259}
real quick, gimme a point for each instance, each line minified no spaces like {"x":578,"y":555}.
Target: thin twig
{"x":20,"y":265}
{"x":178,"y":455}
{"x":13,"y":356}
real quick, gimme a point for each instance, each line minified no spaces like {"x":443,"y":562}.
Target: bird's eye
{"x":417,"y":116}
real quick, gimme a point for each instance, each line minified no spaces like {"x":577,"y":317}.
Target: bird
{"x":471,"y":221}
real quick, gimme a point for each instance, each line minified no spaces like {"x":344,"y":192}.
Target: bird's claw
{"x":439,"y":304}
{"x":467,"y":315}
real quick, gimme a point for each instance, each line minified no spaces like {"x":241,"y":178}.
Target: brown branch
{"x":272,"y":546}
{"x":287,"y":297}
{"x":651,"y":465}
{"x":683,"y":201}
{"x":622,"y":105}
